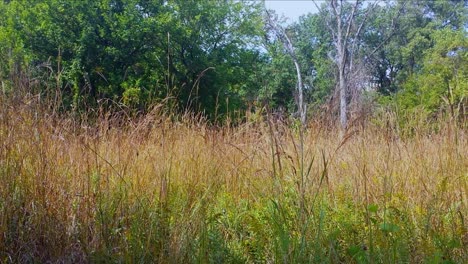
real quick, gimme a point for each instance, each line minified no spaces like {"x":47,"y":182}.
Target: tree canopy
{"x":220,"y":57}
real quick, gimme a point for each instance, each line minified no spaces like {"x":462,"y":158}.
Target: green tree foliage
{"x":421,"y":65}
{"x":12,"y":58}
{"x":442,"y":79}
{"x":212,"y":53}
{"x":314,"y":41}
{"x":198,"y":52}
{"x":399,"y":33}
{"x":216,"y":57}
{"x":278,"y":79}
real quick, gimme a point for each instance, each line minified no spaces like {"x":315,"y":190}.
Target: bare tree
{"x":345,"y":29}
{"x":280,"y":33}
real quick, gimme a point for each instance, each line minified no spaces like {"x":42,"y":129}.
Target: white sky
{"x":292,"y":9}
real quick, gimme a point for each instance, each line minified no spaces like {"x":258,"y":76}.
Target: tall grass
{"x":176,"y":190}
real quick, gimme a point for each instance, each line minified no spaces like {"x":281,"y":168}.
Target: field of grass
{"x":176,"y":190}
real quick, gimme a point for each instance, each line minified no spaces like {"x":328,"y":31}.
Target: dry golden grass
{"x":154,"y":189}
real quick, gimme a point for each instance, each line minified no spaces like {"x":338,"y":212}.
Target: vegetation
{"x":155,"y":190}
{"x":214,"y":132}
{"x":221,"y":58}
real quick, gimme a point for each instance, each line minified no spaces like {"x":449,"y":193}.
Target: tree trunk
{"x":300,"y":103}
{"x":343,"y":103}
{"x":283,"y":37}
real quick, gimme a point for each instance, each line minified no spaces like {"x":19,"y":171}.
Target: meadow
{"x":177,"y":189}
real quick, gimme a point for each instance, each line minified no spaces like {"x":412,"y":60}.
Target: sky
{"x":291,"y":9}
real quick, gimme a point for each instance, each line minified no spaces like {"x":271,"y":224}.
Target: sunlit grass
{"x":152,"y":189}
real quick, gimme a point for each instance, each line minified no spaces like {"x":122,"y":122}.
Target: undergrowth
{"x":156,"y":188}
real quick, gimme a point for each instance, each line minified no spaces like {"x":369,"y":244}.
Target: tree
{"x":212,"y":53}
{"x":133,"y":52}
{"x":275,"y":28}
{"x":421,"y":67}
{"x":313,"y":42}
{"x":346,"y":21}
{"x":411,"y":24}
{"x":441,"y":82}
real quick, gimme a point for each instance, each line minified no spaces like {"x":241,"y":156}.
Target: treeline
{"x":225,"y":57}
